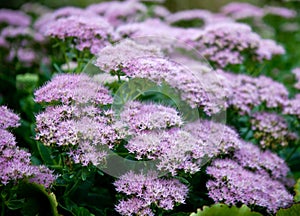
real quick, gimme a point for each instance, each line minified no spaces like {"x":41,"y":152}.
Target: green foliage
{"x":297,"y":191}
{"x":294,"y":210}
{"x":224,"y":210}
{"x":29,"y":199}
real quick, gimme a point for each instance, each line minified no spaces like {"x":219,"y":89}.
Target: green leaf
{"x":294,"y":210}
{"x":37,"y":201}
{"x":15,"y":204}
{"x":224,"y":210}
{"x":80,"y":211}
{"x":46,"y":155}
{"x":297,"y":191}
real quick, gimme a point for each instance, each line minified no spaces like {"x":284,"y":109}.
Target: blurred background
{"x":172,"y":5}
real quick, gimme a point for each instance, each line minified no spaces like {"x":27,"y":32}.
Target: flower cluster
{"x":271,"y":130}
{"x":248,"y":92}
{"x":147,"y":190}
{"x":8,"y":118}
{"x":85,"y":129}
{"x":189,"y":17}
{"x":87,"y":32}
{"x":142,"y":117}
{"x":174,"y":150}
{"x":241,"y":10}
{"x":293,"y":106}
{"x":217,"y":138}
{"x":15,"y":163}
{"x":233,"y":184}
{"x":197,"y":84}
{"x":263,"y":162}
{"x":191,"y":85}
{"x":296,"y":72}
{"x":68,"y":89}
{"x":18,"y":40}
{"x":118,"y":13}
{"x":114,"y":58}
{"x":14,"y":18}
{"x":229,"y":43}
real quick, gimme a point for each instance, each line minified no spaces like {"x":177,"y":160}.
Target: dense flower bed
{"x":124,"y":108}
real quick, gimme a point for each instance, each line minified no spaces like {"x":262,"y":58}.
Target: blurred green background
{"x":173,"y":5}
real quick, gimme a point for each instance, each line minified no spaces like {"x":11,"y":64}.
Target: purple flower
{"x":271,"y":130}
{"x":148,"y":190}
{"x":8,"y":118}
{"x":280,"y":11}
{"x":86,"y":131}
{"x":15,"y":163}
{"x":42,"y":22}
{"x":293,"y":106}
{"x":113,"y":58}
{"x":198,"y":86}
{"x":14,"y":18}
{"x":154,"y":32}
{"x":262,"y":162}
{"x":87,"y":32}
{"x":232,"y":184}
{"x":174,"y":150}
{"x":118,"y":13}
{"x":227,"y":43}
{"x":73,"y":88}
{"x":196,"y":14}
{"x":247,"y":92}
{"x":142,"y":117}
{"x":241,"y":10}
{"x":217,"y":138}
{"x":296,"y":72}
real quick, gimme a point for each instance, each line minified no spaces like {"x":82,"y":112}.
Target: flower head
{"x":68,"y":88}
{"x":147,"y":190}
{"x":8,"y":118}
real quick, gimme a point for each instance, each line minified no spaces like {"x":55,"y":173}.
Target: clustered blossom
{"x":186,"y":148}
{"x":174,"y":150}
{"x":271,"y":130}
{"x":87,"y":131}
{"x":248,"y":92}
{"x":142,"y":117}
{"x":15,"y":163}
{"x":262,"y":162}
{"x":197,"y":84}
{"x":296,"y":72}
{"x":233,"y":184}
{"x":185,"y":18}
{"x":148,"y":190}
{"x":78,"y":125}
{"x":114,"y":58}
{"x":241,"y":10}
{"x":217,"y":138}
{"x":192,"y":85}
{"x":293,"y":106}
{"x":14,"y":18}
{"x":8,"y":118}
{"x":153,"y":31}
{"x":87,"y":32}
{"x":118,"y":13}
{"x":228,"y":43}
{"x":42,"y":22}
{"x":280,"y":11}
{"x":19,"y":41}
{"x":68,"y":88}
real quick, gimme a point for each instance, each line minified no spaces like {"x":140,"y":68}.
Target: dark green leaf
{"x":292,"y":211}
{"x":224,"y":210}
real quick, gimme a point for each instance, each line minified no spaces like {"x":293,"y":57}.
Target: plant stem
{"x":3,"y":208}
